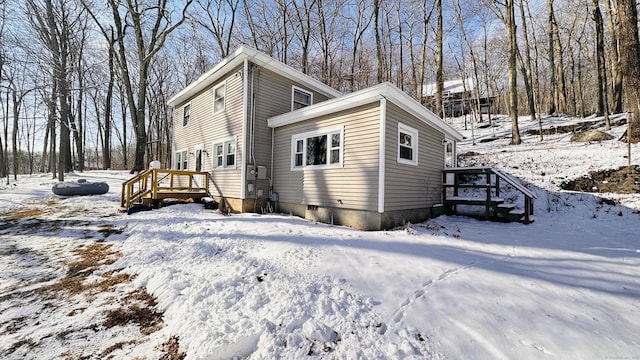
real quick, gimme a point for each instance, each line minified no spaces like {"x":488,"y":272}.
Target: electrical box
{"x":256,"y":172}
{"x":262,"y":173}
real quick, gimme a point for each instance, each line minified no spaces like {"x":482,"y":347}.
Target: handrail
{"x":127,"y":195}
{"x":513,"y":182}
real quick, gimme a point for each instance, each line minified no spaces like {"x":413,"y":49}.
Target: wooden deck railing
{"x":157,"y":184}
{"x":491,"y":186}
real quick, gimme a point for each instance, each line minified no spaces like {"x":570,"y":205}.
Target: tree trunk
{"x":527,"y":71}
{"x":630,"y":63}
{"x":106,"y":146}
{"x":439,"y":63}
{"x":513,"y":72}
{"x":553,"y":96}
{"x":376,"y":26}
{"x":14,"y":132}
{"x":616,"y":72}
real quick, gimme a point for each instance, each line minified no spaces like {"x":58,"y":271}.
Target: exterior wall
{"x":272,"y":93}
{"x":271,"y":96}
{"x":205,"y":127}
{"x":353,"y":186}
{"x":409,"y":186}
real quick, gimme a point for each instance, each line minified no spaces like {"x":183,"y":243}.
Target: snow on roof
{"x":450,"y":86}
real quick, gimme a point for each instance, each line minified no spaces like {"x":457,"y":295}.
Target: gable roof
{"x":366,"y":96}
{"x":235,"y":59}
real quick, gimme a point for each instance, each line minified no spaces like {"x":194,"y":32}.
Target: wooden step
{"x":515,"y":215}
{"x":461,"y":200}
{"x":504,"y":208}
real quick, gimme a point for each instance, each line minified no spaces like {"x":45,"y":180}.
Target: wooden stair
{"x":484,"y":185}
{"x":151,"y":187}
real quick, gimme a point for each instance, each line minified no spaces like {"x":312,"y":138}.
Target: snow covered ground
{"x":80,"y":280}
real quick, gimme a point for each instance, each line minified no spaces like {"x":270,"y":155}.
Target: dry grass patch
{"x":137,"y":307}
{"x":171,"y":349}
{"x":116,"y":346}
{"x":91,"y":257}
{"x":23,"y":214}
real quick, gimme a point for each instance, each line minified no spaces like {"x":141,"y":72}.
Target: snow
{"x":276,"y":286}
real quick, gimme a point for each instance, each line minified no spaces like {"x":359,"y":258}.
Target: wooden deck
{"x":485,"y":183}
{"x":153,"y":186}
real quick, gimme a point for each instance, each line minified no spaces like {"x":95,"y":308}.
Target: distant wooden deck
{"x":154,"y":185}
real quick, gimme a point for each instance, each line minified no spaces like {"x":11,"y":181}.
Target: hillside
{"x":81,"y":280}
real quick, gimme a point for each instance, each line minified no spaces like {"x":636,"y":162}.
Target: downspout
{"x":253,"y":140}
{"x":172,"y":165}
{"x":245,"y":102}
{"x":381,"y":154}
{"x":273,"y":138}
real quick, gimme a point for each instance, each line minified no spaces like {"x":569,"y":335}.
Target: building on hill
{"x":273,"y":138}
{"x":458,"y":97}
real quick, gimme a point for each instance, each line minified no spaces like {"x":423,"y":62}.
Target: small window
{"x":219,"y":151}
{"x":300,"y":99}
{"x":407,"y":145}
{"x":186,"y":114}
{"x":218,"y":98}
{"x":317,"y":149}
{"x":182,"y":160}
{"x":224,"y":153}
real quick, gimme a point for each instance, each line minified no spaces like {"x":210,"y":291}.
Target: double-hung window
{"x":186,"y":114}
{"x":182,"y":160}
{"x":407,"y":145}
{"x":218,"y":98}
{"x":224,"y":153}
{"x":317,"y":149}
{"x":300,"y":98}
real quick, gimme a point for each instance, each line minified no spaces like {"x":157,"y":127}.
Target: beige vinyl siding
{"x":355,"y":184}
{"x":410,"y":186}
{"x":205,"y":127}
{"x":272,"y":97}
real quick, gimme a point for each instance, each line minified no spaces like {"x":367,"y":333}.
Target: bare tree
{"x":218,"y":18}
{"x":630,"y":63}
{"x":54,"y":25}
{"x":151,"y":23}
{"x":513,"y":74}
{"x":614,"y":54}
{"x":508,"y":18}
{"x":439,"y":62}
{"x":376,"y":29}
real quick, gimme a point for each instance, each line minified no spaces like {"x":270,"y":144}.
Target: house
{"x":458,"y":97}
{"x":273,"y":138}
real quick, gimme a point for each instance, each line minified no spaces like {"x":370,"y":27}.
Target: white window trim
{"x":303,"y":136}
{"x":214,"y":157}
{"x":224,"y":99}
{"x":178,"y":164}
{"x":190,"y":117}
{"x":293,"y":92}
{"x":414,"y":134}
